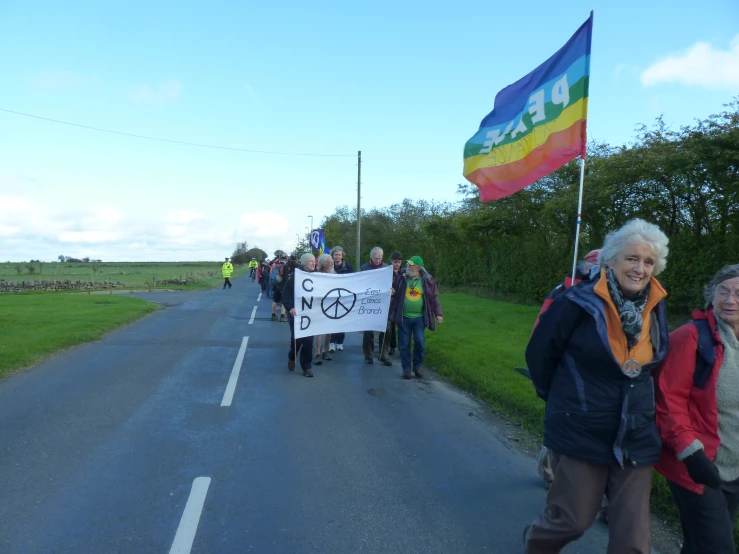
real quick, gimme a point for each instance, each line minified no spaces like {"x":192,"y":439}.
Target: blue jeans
{"x":411,"y":326}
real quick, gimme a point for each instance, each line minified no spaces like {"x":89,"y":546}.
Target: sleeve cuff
{"x":694,"y":447}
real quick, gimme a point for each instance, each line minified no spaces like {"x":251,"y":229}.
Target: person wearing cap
{"x":226,"y":270}
{"x":416,"y":308}
{"x":547,"y":460}
{"x":582,"y":273}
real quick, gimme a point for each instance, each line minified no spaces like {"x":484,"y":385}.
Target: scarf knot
{"x":629,"y":309}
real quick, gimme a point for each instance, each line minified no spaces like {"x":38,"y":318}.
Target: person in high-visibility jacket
{"x":226,"y":270}
{"x":253,"y":264}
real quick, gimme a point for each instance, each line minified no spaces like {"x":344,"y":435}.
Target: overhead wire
{"x":196,"y":144}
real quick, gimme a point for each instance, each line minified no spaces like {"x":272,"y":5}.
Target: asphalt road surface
{"x":134,"y":444}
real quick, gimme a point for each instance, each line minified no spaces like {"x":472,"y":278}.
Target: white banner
{"x":330,"y":303}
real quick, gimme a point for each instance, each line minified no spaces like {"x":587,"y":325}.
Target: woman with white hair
{"x":698,"y":418}
{"x":304,"y":345}
{"x":324,"y":264}
{"x":341,"y":266}
{"x":591,"y":359}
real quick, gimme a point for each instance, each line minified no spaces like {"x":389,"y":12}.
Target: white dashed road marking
{"x":259,"y":297}
{"x":253,"y":313}
{"x":185,"y":536}
{"x":228,"y":396}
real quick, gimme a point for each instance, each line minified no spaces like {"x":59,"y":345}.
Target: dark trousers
{"x":368,"y":345}
{"x":573,"y":501}
{"x":226,"y":281}
{"x":411,"y":327}
{"x":338,"y":338}
{"x":707,"y":519}
{"x":393,"y":331}
{"x":304,"y":346}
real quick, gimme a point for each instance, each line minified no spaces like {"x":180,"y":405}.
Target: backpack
{"x":705,"y":354}
{"x":275,"y":276}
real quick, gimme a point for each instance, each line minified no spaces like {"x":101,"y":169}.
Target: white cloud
{"x":261,"y":225}
{"x":55,"y":79}
{"x":42,"y":229}
{"x":168,"y":91}
{"x":182,"y":216}
{"x":8,"y":230}
{"x":702,"y":65}
{"x":88,"y":237}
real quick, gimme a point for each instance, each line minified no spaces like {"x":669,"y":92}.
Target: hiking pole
{"x":382,"y":347}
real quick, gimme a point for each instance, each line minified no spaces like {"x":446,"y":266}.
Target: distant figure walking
{"x":226,"y":270}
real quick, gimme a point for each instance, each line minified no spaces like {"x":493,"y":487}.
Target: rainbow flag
{"x":537,"y":125}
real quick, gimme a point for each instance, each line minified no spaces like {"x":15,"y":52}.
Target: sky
{"x":308,"y":85}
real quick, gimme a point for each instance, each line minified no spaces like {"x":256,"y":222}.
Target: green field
{"x":34,"y":326}
{"x":130,"y":274}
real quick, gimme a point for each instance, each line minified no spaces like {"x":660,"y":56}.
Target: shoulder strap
{"x":705,"y":354}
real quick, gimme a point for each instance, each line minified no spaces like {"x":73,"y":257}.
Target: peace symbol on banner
{"x":338,"y":303}
{"x":315,"y":240}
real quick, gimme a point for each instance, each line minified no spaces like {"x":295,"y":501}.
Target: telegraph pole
{"x":359,"y":208}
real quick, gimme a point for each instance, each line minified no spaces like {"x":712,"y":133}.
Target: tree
{"x":62,"y":258}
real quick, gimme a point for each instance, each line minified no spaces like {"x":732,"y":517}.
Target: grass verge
{"x":477,"y":347}
{"x":35,"y":325}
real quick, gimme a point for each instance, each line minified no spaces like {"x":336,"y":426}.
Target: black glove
{"x":702,"y":470}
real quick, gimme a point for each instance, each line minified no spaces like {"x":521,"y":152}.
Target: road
{"x":123,"y":445}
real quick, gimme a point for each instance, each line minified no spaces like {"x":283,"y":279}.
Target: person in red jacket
{"x":582,"y":273}
{"x":697,"y":407}
{"x":547,"y":461}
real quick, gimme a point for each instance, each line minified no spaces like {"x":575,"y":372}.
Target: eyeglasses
{"x":725,"y":294}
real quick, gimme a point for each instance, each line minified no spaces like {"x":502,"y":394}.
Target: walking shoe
{"x":407,"y":374}
{"x":369,"y":361}
{"x":317,"y":360}
{"x":326,"y":356}
{"x":386,"y":362}
{"x":283,"y":318}
{"x":307,"y":373}
{"x":331,"y":347}
{"x":392,"y":351}
{"x":274,"y":317}
{"x":418,"y":372}
{"x":291,"y":365}
{"x":340,"y":347}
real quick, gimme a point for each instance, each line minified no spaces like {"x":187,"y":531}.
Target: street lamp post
{"x":311,"y":223}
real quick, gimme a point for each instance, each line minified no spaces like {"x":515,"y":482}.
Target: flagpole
{"x":579,"y":217}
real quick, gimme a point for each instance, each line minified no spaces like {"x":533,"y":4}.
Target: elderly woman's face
{"x":338,"y":256}
{"x":310,"y":264}
{"x":633,"y":267}
{"x":726,"y":301}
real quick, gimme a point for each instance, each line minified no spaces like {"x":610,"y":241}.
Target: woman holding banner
{"x":341,"y":266}
{"x":304,"y":344}
{"x":591,"y":359}
{"x":325,"y":264}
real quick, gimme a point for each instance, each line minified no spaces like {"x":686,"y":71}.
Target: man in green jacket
{"x":226,"y":270}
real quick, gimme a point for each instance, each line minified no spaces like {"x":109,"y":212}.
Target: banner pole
{"x":579,"y":217}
